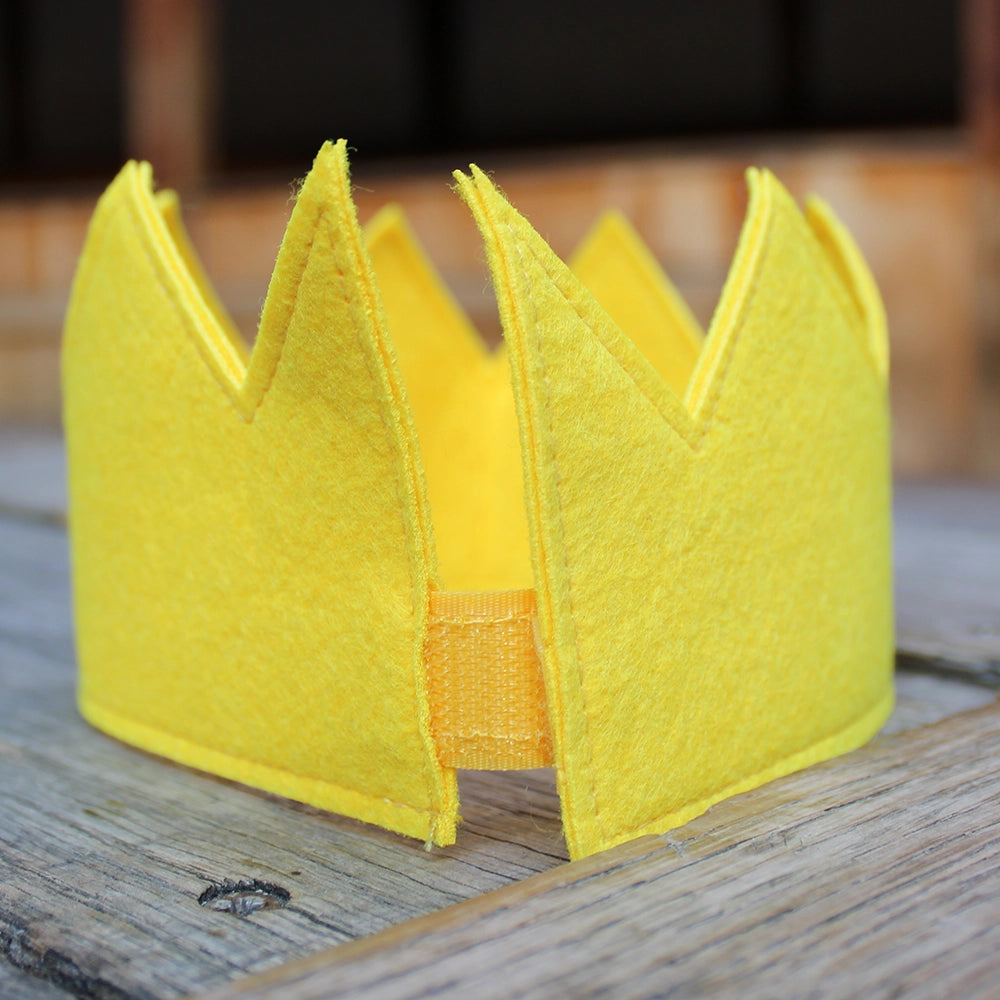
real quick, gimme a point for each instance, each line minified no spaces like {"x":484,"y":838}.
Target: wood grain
{"x":18,"y":985}
{"x":104,"y":850}
{"x":947,"y":555}
{"x":877,"y":875}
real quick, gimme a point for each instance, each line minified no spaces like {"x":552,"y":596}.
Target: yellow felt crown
{"x":344,"y":563}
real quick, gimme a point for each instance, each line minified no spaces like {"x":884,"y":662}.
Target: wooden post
{"x":169,"y":87}
{"x":981,"y":84}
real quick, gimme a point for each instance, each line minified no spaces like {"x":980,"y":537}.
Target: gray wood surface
{"x":875,"y":875}
{"x":104,"y":851}
{"x":18,"y":985}
{"x":32,"y":473}
{"x":947,"y":555}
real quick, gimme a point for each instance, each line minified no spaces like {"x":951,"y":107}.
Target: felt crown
{"x":361,"y":555}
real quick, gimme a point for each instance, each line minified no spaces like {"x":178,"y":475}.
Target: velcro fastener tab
{"x":484,"y":681}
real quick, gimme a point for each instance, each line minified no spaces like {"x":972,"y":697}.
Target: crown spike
{"x":170,"y":209}
{"x":620,"y":272}
{"x":425,"y":319}
{"x":846,"y":259}
{"x":713,"y":363}
{"x":513,"y":260}
{"x":318,"y":268}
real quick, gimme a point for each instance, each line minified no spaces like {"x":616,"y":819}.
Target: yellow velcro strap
{"x":484,"y":681}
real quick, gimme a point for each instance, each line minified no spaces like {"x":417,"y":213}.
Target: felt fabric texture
{"x":661,"y":561}
{"x":462,"y":405}
{"x":619,"y":271}
{"x":252,"y":549}
{"x":712,"y":571}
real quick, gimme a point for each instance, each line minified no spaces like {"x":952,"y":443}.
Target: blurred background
{"x":890,"y":110}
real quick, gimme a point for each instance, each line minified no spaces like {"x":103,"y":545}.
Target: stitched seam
{"x":200,"y":347}
{"x":424,"y":521}
{"x":562,"y":535}
{"x":399,"y":496}
{"x":682,"y":433}
{"x":529,"y":442}
{"x":317,"y":221}
{"x":730,"y":347}
{"x":738,"y":328}
{"x":429,"y":784}
{"x":465,"y":733}
{"x":232,"y":391}
{"x":473,"y":620}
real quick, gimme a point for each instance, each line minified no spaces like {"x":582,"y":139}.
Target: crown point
{"x":480,"y":177}
{"x":847,"y":261}
{"x":758,"y":180}
{"x":331,"y":156}
{"x":468,"y":184}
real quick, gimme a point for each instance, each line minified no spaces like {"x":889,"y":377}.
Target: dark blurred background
{"x":404,"y":78}
{"x":890,"y":110}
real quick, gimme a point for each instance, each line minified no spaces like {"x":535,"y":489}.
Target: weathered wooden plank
{"x":104,"y":851}
{"x":877,"y":874}
{"x":32,"y":474}
{"x":947,"y":553}
{"x":18,"y":985}
{"x":922,"y":699}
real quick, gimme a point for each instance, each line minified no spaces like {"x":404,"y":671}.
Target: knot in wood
{"x":244,"y":896}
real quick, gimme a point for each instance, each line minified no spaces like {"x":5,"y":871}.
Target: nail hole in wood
{"x":244,"y":896}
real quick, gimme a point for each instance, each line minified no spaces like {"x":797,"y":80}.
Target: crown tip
{"x":467,"y":184}
{"x":757,"y":177}
{"x":138,"y":176}
{"x":329,"y":168}
{"x":474,"y":176}
{"x":331,"y":151}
